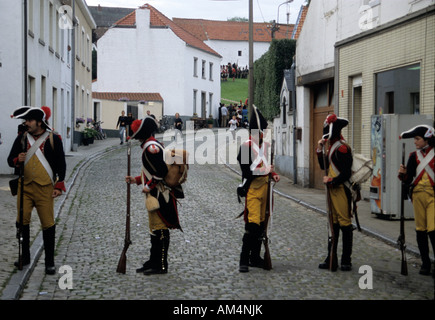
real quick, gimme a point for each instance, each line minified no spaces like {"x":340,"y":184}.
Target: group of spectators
{"x":234,"y":111}
{"x":233,"y":71}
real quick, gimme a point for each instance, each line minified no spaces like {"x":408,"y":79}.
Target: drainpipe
{"x":293,"y":102}
{"x":25,"y":53}
{"x":73,"y":76}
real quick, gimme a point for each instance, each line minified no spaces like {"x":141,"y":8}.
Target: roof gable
{"x":157,"y":19}
{"x":232,"y":30}
{"x":127,"y":96}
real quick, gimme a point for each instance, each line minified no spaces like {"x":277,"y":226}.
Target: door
{"x":322,"y":104}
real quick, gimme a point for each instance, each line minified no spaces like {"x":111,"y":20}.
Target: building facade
{"x":146,"y":52}
{"x":347,"y":56}
{"x":36,"y":60}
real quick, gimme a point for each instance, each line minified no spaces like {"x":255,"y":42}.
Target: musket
{"x":122,"y":263}
{"x":21,"y":211}
{"x":401,"y":239}
{"x":331,"y":236}
{"x":269,"y":208}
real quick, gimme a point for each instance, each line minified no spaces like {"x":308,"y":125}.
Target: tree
{"x":269,"y":74}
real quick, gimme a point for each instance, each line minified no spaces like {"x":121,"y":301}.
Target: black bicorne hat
{"x":143,"y":129}
{"x":424,"y":131}
{"x":32,"y":113}
{"x":332,"y":126}
{"x":257,"y":120}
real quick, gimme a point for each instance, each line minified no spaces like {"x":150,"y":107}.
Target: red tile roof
{"x":131,"y":96}
{"x":300,"y":21}
{"x":232,"y":30}
{"x":157,"y":19}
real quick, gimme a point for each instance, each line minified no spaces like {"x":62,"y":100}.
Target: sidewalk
{"x":13,"y":282}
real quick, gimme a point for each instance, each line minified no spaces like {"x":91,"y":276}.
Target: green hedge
{"x":269,"y":74}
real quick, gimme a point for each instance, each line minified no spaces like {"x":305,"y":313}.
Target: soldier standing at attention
{"x":419,"y":176}
{"x":42,"y":153}
{"x":255,"y":177}
{"x":339,"y":164}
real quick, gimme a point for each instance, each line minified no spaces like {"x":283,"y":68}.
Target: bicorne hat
{"x":332,"y":126}
{"x":257,"y":120}
{"x":424,"y":131}
{"x":33,"y":113}
{"x":143,"y":129}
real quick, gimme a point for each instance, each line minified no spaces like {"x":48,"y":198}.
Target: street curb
{"x":18,"y":280}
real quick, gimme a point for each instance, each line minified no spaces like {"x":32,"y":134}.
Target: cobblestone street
{"x":203,"y":259}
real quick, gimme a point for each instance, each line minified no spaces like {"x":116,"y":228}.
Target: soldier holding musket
{"x":338,"y":162}
{"x":419,"y":176}
{"x":44,"y":173}
{"x":165,"y":214}
{"x":252,"y":158}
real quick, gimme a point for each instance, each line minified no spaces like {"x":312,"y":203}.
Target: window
{"x":41,"y":20}
{"x":203,"y":69}
{"x":50,"y":25}
{"x":195,"y":67}
{"x":30,"y":14}
{"x":397,"y":90}
{"x":239,"y":53}
{"x":195,"y":94}
{"x":284,"y":111}
{"x":210,"y":73}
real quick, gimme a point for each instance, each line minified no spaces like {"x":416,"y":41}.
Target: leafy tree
{"x":269,"y":74}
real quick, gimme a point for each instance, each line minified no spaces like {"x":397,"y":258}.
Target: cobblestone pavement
{"x":203,"y":260}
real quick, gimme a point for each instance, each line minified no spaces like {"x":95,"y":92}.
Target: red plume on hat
{"x":332,"y":126}
{"x":135,"y":125}
{"x":47,"y":112}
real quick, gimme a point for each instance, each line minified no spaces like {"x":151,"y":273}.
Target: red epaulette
{"x":343,"y":149}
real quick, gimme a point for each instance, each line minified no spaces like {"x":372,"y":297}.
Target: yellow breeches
{"x":424,"y":209}
{"x":155,"y":222}
{"x":256,"y":202}
{"x":340,"y":206}
{"x":39,"y":197}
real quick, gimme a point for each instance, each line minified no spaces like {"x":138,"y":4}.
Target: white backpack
{"x":362,"y":169}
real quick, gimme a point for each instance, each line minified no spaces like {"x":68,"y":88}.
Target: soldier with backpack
{"x":339,"y":163}
{"x":161,"y":199}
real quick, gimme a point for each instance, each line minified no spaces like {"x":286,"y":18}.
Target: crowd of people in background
{"x":234,"y":111}
{"x":233,"y":71}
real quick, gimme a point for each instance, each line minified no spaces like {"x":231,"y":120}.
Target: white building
{"x":42,"y":77}
{"x":146,"y":52}
{"x":231,"y":38}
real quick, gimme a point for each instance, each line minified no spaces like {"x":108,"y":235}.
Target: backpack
{"x":362,"y":169}
{"x":176,"y":161}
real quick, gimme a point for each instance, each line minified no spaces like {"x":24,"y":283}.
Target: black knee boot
{"x":432,"y":241}
{"x":158,"y":262}
{"x":48,"y":235}
{"x":250,"y":238}
{"x":154,"y":254}
{"x":255,"y":259}
{"x":326,"y":264}
{"x":423,"y":247}
{"x":346,"y":261}
{"x":25,"y":244}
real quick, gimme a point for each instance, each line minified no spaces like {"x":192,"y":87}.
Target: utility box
{"x":386,"y":151}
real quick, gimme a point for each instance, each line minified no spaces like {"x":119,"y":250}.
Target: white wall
{"x":11,"y":75}
{"x":229,"y":51}
{"x":145,"y":59}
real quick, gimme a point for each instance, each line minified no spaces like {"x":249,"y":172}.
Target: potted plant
{"x":89,"y":135}
{"x":210,"y":121}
